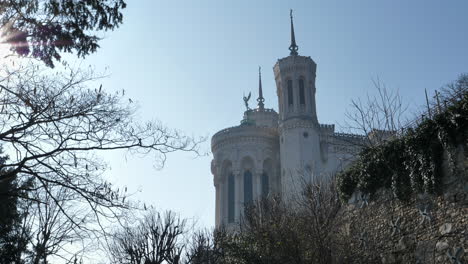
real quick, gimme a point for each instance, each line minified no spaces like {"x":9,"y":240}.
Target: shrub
{"x":411,"y":163}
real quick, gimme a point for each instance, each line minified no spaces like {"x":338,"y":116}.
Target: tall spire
{"x":293,"y":47}
{"x":260,"y":98}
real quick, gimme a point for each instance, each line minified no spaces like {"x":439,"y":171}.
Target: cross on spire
{"x":260,"y":98}
{"x":293,"y":47}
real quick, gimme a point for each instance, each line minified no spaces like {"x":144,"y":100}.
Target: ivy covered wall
{"x":412,"y":162}
{"x":411,"y":192}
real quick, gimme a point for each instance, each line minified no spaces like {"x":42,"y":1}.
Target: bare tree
{"x":453,"y":92}
{"x":271,"y":231}
{"x":205,"y":247}
{"x":156,"y":239}
{"x":53,"y":126}
{"x":51,"y":232}
{"x":319,"y":206}
{"x":377,"y":117}
{"x":302,"y":230}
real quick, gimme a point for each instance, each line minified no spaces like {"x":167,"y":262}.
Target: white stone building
{"x":273,"y":152}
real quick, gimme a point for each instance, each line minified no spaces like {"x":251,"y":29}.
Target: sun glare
{"x":5,"y":52}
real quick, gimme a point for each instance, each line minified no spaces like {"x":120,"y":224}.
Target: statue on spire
{"x":293,"y":47}
{"x":260,"y":98}
{"x":246,"y":101}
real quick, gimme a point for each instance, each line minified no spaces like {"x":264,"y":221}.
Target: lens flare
{"x":6,"y":57}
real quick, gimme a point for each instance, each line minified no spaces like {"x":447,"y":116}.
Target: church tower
{"x":271,"y":153}
{"x":298,"y":124}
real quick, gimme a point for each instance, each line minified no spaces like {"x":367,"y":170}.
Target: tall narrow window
{"x":231,"y":189}
{"x":265,"y":184}
{"x":290,"y":93}
{"x":301,"y":92}
{"x":248,"y":197}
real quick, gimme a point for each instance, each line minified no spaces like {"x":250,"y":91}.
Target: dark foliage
{"x":205,"y":247}
{"x":13,"y":235}
{"x":43,"y":29}
{"x":412,"y":163}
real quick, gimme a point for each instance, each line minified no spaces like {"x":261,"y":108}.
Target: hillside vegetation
{"x":412,"y":161}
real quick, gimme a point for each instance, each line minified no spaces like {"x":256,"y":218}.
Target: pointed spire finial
{"x":293,"y":47}
{"x":260,"y":98}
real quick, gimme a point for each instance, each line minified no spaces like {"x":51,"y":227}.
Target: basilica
{"x":276,"y":153}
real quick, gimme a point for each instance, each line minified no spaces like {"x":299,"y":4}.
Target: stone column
{"x":254,"y":185}
{"x":215,"y":184}
{"x":217,"y":204}
{"x":223,"y":211}
{"x":258,"y":185}
{"x":238,"y":197}
{"x":297,"y":107}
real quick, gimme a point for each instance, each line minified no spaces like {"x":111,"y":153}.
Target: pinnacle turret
{"x":260,"y":98}
{"x":293,"y":47}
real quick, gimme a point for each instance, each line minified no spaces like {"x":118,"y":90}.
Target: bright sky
{"x":187,"y":63}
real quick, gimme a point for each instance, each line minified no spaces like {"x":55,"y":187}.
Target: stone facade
{"x":426,"y":229}
{"x":390,"y":231}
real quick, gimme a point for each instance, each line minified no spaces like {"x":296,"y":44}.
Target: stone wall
{"x":427,"y":229}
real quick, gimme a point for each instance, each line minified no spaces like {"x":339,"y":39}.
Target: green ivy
{"x":411,"y":163}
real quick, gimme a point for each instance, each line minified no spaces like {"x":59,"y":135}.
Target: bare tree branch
{"x":54,"y":125}
{"x":379,"y":116}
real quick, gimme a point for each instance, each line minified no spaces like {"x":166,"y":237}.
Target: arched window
{"x":301,"y":92}
{"x":265,"y":184}
{"x":248,"y":197}
{"x":290,"y":93}
{"x":231,"y":201}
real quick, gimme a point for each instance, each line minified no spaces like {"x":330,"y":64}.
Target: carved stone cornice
{"x":293,"y":64}
{"x":296,"y":123}
{"x":242,"y":140}
{"x":294,"y":67}
{"x":244,"y":135}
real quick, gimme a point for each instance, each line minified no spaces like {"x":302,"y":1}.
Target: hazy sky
{"x":187,"y":63}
